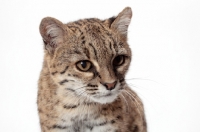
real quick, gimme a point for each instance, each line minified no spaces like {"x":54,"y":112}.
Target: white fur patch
{"x":106,"y":96}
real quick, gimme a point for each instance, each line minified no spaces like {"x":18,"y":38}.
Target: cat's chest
{"x":89,"y":120}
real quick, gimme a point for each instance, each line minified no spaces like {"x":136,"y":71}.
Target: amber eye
{"x":83,"y":65}
{"x":119,"y":60}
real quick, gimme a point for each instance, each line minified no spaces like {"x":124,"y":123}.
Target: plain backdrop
{"x":164,"y":36}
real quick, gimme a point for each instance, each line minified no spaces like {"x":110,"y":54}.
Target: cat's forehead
{"x":90,"y":39}
{"x":92,"y":28}
{"x":93,"y":32}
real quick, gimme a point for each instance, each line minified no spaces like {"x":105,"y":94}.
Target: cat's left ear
{"x":122,"y":21}
{"x":52,"y":32}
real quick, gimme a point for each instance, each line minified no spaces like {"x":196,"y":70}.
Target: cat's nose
{"x":109,"y":86}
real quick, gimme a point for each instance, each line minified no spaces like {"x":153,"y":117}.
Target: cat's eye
{"x":83,"y":65}
{"x":119,"y":60}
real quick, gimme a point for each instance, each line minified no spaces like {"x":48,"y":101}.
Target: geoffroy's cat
{"x":82,"y":86}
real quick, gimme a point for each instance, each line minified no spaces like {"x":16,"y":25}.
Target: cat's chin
{"x":105,"y":99}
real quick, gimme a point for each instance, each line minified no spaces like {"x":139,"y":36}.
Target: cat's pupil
{"x":119,"y":60}
{"x":83,"y":64}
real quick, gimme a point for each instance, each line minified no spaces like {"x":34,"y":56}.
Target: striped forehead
{"x":97,"y":39}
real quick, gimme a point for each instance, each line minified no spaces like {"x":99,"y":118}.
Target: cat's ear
{"x":52,"y":32}
{"x":122,"y":21}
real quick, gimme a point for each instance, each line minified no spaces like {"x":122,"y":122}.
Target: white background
{"x":165,"y":39}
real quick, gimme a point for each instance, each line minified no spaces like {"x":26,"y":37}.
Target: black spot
{"x":102,"y":124}
{"x":89,"y":127}
{"x":53,"y":73}
{"x":119,"y":117}
{"x":76,"y":128}
{"x":74,"y":28}
{"x":57,"y":102}
{"x":94,"y":89}
{"x":58,"y":127}
{"x":105,"y":109}
{"x":77,"y":52}
{"x":69,"y":106}
{"x":112,"y":121}
{"x":83,"y":42}
{"x":90,"y":85}
{"x":40,"y":111}
{"x":92,"y":93}
{"x":95,"y":52}
{"x":99,"y":76}
{"x":45,"y":42}
{"x":64,"y":70}
{"x":110,"y":46}
{"x":136,"y":129}
{"x":121,"y":80}
{"x":87,"y":53}
{"x":121,"y":44}
{"x":63,"y":81}
{"x":83,"y":37}
{"x":70,"y":89}
{"x":119,"y":107}
{"x":77,"y":22}
{"x":75,"y":75}
{"x":92,"y":103}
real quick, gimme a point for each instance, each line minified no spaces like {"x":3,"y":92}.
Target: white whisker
{"x":125,"y":101}
{"x":135,"y":102}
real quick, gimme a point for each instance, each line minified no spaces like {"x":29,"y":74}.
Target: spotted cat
{"x":81,"y":85}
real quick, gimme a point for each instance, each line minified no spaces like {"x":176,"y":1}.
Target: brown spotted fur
{"x":60,"y":108}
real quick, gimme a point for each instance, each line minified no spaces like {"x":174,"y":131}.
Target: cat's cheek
{"x":84,"y":76}
{"x":123,"y":69}
{"x":120,"y":69}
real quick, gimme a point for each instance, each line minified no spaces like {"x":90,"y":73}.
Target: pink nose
{"x":109,"y":86}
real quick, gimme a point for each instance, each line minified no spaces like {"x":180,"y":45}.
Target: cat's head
{"x":89,"y":57}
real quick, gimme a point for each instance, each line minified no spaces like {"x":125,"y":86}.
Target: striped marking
{"x":121,"y":80}
{"x":95,"y":52}
{"x":69,"y":106}
{"x":63,"y":81}
{"x":70,"y":89}
{"x":62,"y":72}
{"x":76,"y":28}
{"x":58,"y":127}
{"x":53,"y":73}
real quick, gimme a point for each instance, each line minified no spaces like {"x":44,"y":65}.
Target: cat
{"x":81,"y":85}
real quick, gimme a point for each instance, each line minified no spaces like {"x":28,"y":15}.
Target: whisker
{"x":125,"y":101}
{"x":135,"y":102}
{"x":132,"y":85}
{"x":80,"y":87}
{"x":142,"y":79}
{"x":79,"y":98}
{"x":155,"y":95}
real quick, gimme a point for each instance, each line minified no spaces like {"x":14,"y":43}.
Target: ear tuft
{"x":122,"y":21}
{"x":52,"y":32}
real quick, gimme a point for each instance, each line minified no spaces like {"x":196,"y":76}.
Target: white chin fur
{"x":105,"y":99}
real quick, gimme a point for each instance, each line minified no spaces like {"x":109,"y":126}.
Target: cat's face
{"x":88,"y":58}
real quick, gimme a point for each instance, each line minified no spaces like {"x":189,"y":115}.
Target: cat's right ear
{"x":52,"y":32}
{"x":122,"y":21}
